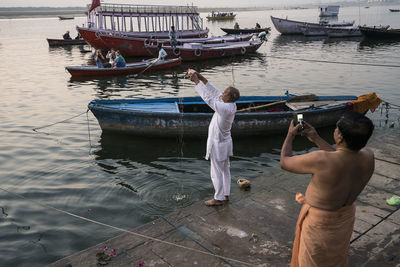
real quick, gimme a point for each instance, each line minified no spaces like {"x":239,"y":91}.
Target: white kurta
{"x":219,"y":142}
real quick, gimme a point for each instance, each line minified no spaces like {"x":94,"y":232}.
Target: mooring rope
{"x":337,"y":62}
{"x":126,"y":231}
{"x":48,"y":125}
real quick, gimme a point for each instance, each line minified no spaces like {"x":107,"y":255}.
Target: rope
{"x":45,"y":126}
{"x":391,"y":104}
{"x":338,"y":62}
{"x":124,"y":230}
{"x":373,"y":226}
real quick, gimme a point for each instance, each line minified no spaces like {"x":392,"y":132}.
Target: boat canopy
{"x":144,"y":18}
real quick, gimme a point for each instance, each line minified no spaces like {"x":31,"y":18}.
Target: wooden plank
{"x":317,"y":104}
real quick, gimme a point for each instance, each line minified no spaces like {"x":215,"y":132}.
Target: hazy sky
{"x":200,"y":3}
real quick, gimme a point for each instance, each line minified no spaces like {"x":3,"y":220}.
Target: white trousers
{"x":220,"y":177}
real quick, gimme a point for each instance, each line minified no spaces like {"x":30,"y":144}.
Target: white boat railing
{"x":146,"y":9}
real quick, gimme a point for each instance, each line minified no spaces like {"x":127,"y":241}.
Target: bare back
{"x":339,"y":177}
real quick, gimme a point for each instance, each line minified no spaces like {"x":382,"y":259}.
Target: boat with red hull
{"x":140,"y":21}
{"x":80,"y":71}
{"x":196,"y":51}
{"x":131,"y":46}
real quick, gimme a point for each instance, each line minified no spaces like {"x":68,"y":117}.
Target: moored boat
{"x":196,"y":51}
{"x":221,"y":16}
{"x":60,"y":42}
{"x":380,"y":32}
{"x":394,"y":10}
{"x":286,"y":26}
{"x":190,"y":116}
{"x":245,"y":30}
{"x":130,"y":46}
{"x":130,"y":68}
{"x":65,"y":17}
{"x":140,"y":21}
{"x":321,"y":30}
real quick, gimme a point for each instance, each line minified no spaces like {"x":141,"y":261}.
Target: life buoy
{"x":152,"y":37}
{"x":176,"y":51}
{"x":243,"y":50}
{"x":97,"y":35}
{"x":197,"y":52}
{"x":222,"y":53}
{"x":147,"y":42}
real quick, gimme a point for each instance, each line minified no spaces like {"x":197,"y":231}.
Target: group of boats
{"x":338,"y":29}
{"x":138,"y":30}
{"x":112,"y":26}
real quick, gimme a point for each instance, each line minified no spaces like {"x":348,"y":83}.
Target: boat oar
{"x":299,"y":98}
{"x":149,"y":66}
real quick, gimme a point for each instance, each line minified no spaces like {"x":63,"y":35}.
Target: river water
{"x":125,"y":181}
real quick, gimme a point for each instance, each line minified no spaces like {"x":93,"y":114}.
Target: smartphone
{"x":299,"y":120}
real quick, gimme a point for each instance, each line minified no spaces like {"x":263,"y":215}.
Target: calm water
{"x":124,"y":181}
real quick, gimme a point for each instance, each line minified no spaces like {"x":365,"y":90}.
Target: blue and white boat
{"x":190,"y":116}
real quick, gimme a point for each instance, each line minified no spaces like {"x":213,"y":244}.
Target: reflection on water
{"x":372,"y":43}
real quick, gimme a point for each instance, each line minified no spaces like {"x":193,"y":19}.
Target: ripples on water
{"x":124,"y":180}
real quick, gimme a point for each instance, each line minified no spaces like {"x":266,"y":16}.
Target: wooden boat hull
{"x":164,"y":117}
{"x":215,"y":18}
{"x":93,"y":37}
{"x":285,"y":26}
{"x":380,"y":33}
{"x":348,"y":31}
{"x":130,"y":46}
{"x":61,"y":42}
{"x":394,"y":10}
{"x":80,"y":71}
{"x":209,"y":51}
{"x":246,"y":30}
{"x":64,"y":18}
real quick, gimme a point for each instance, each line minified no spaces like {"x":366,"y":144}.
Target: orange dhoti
{"x":323,"y":237}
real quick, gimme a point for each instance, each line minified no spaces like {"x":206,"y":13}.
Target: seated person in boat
{"x":111,"y":57}
{"x":236,"y":27}
{"x":339,"y":174}
{"x":219,"y":142}
{"x":78,"y":37}
{"x":258,"y":26}
{"x":172,"y":36}
{"x":119,"y":61}
{"x":161,"y":52}
{"x":66,"y":36}
{"x":99,"y":59}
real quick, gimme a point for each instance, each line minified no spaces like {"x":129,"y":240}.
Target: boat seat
{"x":316,"y":104}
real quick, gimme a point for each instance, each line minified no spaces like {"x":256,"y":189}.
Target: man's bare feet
{"x":226,"y":199}
{"x":214,"y":202}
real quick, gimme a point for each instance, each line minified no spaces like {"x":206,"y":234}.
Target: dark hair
{"x":234,"y":93}
{"x":356,"y":129}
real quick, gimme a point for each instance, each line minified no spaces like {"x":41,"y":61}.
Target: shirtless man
{"x":326,"y":221}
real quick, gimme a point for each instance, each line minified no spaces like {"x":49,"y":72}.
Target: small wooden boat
{"x":130,"y":68}
{"x":196,"y":51}
{"x":190,"y":116}
{"x":65,"y":17}
{"x":131,"y":46}
{"x":321,"y":30}
{"x":380,"y":32}
{"x":245,"y":30}
{"x":394,"y":10}
{"x":60,"y":42}
{"x":286,"y":26}
{"x":221,"y":16}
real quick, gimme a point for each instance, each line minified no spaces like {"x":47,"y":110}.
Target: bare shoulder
{"x":368,"y":152}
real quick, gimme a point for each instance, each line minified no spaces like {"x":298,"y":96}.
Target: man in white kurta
{"x":219,"y":142}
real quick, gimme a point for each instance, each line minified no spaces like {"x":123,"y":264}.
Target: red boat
{"x":130,"y":68}
{"x":196,"y":51}
{"x":60,"y":42}
{"x":140,"y":21}
{"x":130,"y":46}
